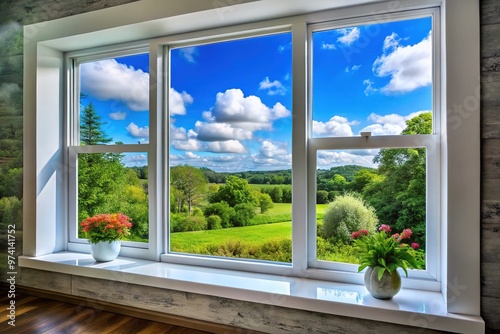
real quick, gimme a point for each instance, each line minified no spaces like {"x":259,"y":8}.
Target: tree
{"x":190,"y":181}
{"x":90,"y":127}
{"x":265,"y":202}
{"x":235,"y":191}
{"x":399,"y":194}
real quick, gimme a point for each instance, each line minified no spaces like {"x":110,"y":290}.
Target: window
{"x":52,"y":154}
{"x":230,"y":148}
{"x":372,"y":141}
{"x":373,"y":83}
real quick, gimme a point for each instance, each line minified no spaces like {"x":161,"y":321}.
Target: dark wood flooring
{"x":35,"y":315}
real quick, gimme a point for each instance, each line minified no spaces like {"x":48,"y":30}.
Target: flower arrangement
{"x":385,"y":252}
{"x":106,"y":227}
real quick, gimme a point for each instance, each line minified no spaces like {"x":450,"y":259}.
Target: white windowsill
{"x":409,"y":307}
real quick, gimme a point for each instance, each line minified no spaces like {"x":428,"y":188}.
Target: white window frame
{"x":45,"y":226}
{"x":73,"y":61}
{"x":430,"y":142}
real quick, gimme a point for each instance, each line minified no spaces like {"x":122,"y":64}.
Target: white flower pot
{"x":104,"y":251}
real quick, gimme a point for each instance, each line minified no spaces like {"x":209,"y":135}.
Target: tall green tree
{"x":399,"y":195}
{"x":90,"y":127}
{"x":235,"y":191}
{"x":190,"y":181}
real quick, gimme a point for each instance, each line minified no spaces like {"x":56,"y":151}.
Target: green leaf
{"x":380,"y":271}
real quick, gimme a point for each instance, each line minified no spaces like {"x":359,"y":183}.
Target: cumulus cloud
{"x":178,"y":102}
{"x":189,"y":54}
{"x":109,"y":80}
{"x":328,"y":159}
{"x":337,"y":126}
{"x":273,"y":88}
{"x":245,"y":112}
{"x":409,"y":67}
{"x":177,"y":133}
{"x":349,"y":35}
{"x":137,"y":131}
{"x":228,"y":146}
{"x":118,"y":116}
{"x":135,"y":160}
{"x":392,"y":124}
{"x":220,"y":131}
{"x":269,"y":149}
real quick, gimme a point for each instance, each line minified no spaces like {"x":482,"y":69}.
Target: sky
{"x":231,"y":102}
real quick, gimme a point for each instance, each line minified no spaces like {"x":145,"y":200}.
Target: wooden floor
{"x":39,"y":315}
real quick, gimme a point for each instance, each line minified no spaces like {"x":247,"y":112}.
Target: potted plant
{"x":382,"y":253}
{"x":104,"y":232}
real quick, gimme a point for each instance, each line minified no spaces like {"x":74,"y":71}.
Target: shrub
{"x":221,"y":209}
{"x":346,"y":214}
{"x":214,"y":222}
{"x":243,"y":214}
{"x":322,"y":197}
{"x":183,"y":223}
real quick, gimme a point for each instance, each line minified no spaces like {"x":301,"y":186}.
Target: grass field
{"x":259,"y":234}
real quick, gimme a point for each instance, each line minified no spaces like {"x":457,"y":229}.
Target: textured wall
{"x":15,"y":13}
{"x":490,"y":162}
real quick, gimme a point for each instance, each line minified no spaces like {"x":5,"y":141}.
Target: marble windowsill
{"x":410,"y":307}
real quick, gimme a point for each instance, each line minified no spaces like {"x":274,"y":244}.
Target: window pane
{"x":371,"y":78}
{"x":363,"y":189}
{"x":114,"y":101}
{"x":230,"y":149}
{"x":112,"y":183}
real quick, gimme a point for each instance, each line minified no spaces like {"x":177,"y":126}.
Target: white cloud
{"x":269,"y":149}
{"x":326,"y":46}
{"x":349,"y":35}
{"x":392,"y":124}
{"x":273,"y":88}
{"x":177,"y":133}
{"x":187,"y":145}
{"x":353,"y":68}
{"x":247,"y":112}
{"x":138,"y":132}
{"x":135,"y":160}
{"x":189,"y":54}
{"x":191,"y":155}
{"x":118,"y":116}
{"x":228,"y":146}
{"x":369,"y":89}
{"x":220,"y":131}
{"x":178,"y":101}
{"x":109,"y":80}
{"x":409,"y":67}
{"x":328,"y":159}
{"x":337,"y":126}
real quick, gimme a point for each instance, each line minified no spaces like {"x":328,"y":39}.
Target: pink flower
{"x":385,"y":228}
{"x":395,"y":236}
{"x":355,"y":235}
{"x":415,"y":245}
{"x":363,"y":232}
{"x":406,"y":234}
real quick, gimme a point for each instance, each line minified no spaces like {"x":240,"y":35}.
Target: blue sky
{"x":231,"y":102}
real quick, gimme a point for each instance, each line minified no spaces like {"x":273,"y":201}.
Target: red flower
{"x":415,"y":245}
{"x":406,"y":234}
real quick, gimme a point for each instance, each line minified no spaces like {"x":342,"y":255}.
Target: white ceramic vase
{"x":388,"y":286}
{"x":105,"y":251}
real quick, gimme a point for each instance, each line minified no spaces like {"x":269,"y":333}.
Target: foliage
{"x":190,"y":181}
{"x":384,"y":252}
{"x":214,"y":222}
{"x":265,"y":202}
{"x":183,"y":222}
{"x":399,"y":194}
{"x":322,"y":196}
{"x":243,"y":214}
{"x":106,"y":227}
{"x":221,"y":209}
{"x":346,"y":214}
{"x":335,"y":251}
{"x":235,"y":191}
{"x":90,"y":127}
{"x":11,"y":212}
